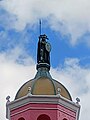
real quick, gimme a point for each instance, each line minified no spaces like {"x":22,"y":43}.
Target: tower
{"x":42,"y":98}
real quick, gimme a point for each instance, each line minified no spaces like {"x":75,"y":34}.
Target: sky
{"x":67,"y":25}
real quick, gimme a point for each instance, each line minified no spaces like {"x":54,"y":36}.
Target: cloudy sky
{"x":67,"y":25}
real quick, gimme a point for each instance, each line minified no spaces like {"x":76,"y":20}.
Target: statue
{"x":43,"y":54}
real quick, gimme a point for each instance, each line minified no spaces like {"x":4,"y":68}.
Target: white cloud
{"x":69,"y":17}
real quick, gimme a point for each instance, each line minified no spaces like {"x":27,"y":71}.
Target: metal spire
{"x":40,"y":24}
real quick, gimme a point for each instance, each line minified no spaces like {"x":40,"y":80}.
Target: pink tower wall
{"x":33,"y":111}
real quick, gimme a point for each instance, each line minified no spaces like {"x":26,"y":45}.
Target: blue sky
{"x":28,"y":38}
{"x":67,"y":25}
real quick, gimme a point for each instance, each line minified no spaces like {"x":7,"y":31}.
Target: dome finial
{"x":78,"y":100}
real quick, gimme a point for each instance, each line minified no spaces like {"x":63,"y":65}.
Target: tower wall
{"x":51,"y":108}
{"x":33,"y":111}
{"x":65,"y":113}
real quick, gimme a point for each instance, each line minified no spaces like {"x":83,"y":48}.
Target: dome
{"x":43,"y":86}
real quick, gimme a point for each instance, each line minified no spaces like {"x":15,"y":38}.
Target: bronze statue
{"x":43,"y":54}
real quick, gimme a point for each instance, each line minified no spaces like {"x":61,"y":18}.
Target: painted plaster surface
{"x":66,"y":111}
{"x":32,"y":111}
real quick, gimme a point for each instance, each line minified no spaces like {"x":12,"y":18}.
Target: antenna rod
{"x":40,"y":26}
